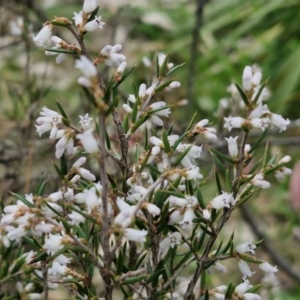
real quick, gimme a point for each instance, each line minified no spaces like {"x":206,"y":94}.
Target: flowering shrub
{"x":142,"y":229}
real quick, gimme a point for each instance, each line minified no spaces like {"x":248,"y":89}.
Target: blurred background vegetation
{"x":215,"y":39}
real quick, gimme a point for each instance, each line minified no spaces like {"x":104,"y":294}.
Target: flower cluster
{"x":136,"y":214}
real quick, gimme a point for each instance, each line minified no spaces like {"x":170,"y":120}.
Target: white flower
{"x":187,"y":221}
{"x":53,"y":243}
{"x":244,"y":268}
{"x":76,"y":218}
{"x":90,"y":5}
{"x":163,"y":112}
{"x":188,"y":201}
{"x":86,"y":67}
{"x":94,"y":24}
{"x":258,"y":111}
{"x":232,"y":146}
{"x":88,"y":141}
{"x":135,"y":235}
{"x":243,"y":287}
{"x":122,"y":67}
{"x":206,"y":214}
{"x":223,"y":200}
{"x":250,"y":81}
{"x":282,"y":172}
{"x":251,"y":296}
{"x":85,"y":121}
{"x":127,"y":108}
{"x":286,"y":159}
{"x":279,"y":121}
{"x":131,"y":98}
{"x":50,"y":120}
{"x":233,"y":122}
{"x":208,"y":132}
{"x":245,"y":247}
{"x":78,"y":18}
{"x":175,"y":217}
{"x":259,"y":182}
{"x":262,"y":123}
{"x":192,"y":173}
{"x":170,"y":241}
{"x":266,"y":267}
{"x":44,"y":35}
{"x":83,"y":172}
{"x":65,"y":143}
{"x":110,"y":56}
{"x":57,"y":268}
{"x":194,"y":152}
{"x":152,"y":209}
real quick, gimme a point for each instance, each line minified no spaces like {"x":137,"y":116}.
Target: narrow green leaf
{"x":230,"y":241}
{"x":125,"y":123}
{"x":172,"y":70}
{"x":93,"y":14}
{"x":124,"y":76}
{"x":221,"y":155}
{"x":38,"y":258}
{"x":220,"y":165}
{"x":218,"y":249}
{"x":163,"y":67}
{"x":133,"y":280}
{"x":31,"y":242}
{"x":139,"y":122}
{"x":166,"y":142}
{"x":179,"y":140}
{"x":264,"y":134}
{"x":23,"y":199}
{"x":191,"y":122}
{"x":228,"y":181}
{"x":146,"y":143}
{"x":107,"y":139}
{"x":182,"y":155}
{"x":259,"y":92}
{"x":64,"y":165}
{"x":265,"y":156}
{"x":60,"y":50}
{"x":63,"y":113}
{"x":218,"y":183}
{"x":243,"y":95}
{"x":163,"y":86}
{"x":230,"y":290}
{"x":39,"y":191}
{"x":201,"y":239}
{"x":140,"y":260}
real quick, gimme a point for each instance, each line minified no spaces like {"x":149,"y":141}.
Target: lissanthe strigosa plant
{"x":142,"y":229}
